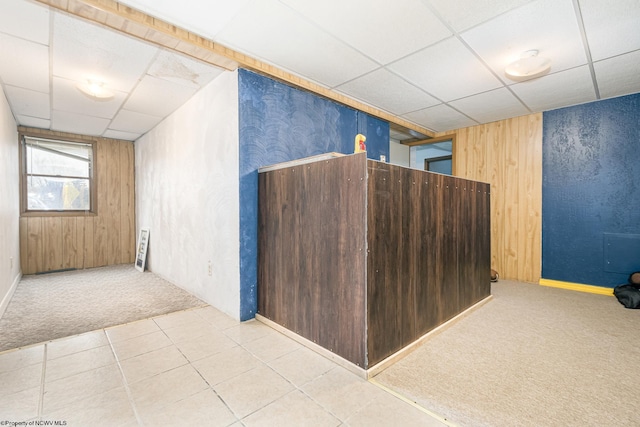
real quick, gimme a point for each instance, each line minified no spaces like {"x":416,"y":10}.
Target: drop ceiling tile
{"x":387,"y":91}
{"x":619,"y":75}
{"x":27,"y":20}
{"x":612,"y":27}
{"x":116,"y":134}
{"x":28,"y":102}
{"x":491,"y":106}
{"x":182,"y":70}
{"x":206,"y":18}
{"x":84,"y":51}
{"x":549,"y":26}
{"x":558,"y":90}
{"x":440,"y":118}
{"x":158,"y":97}
{"x":133,"y":122}
{"x":294,"y":44}
{"x":464,"y":14}
{"x":67,"y":97}
{"x":383,"y":30}
{"x":63,"y":121}
{"x":34,"y":122}
{"x":24,"y":63}
{"x":447,"y":71}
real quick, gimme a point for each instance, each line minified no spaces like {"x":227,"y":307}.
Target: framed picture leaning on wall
{"x":141,"y":249}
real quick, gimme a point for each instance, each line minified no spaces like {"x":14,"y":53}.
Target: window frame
{"x":24,"y":211}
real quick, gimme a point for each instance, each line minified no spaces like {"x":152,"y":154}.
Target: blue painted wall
{"x":279,"y":123}
{"x":591,"y":192}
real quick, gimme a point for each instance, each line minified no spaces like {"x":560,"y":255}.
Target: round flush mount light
{"x":529,"y":65}
{"x":95,"y":90}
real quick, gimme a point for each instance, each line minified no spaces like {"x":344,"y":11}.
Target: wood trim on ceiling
{"x":137,"y":24}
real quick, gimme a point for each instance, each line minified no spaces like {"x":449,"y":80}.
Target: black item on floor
{"x":628,"y":295}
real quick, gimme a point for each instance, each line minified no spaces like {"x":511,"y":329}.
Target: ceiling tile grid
{"x":619,"y":75}
{"x":381,"y":87}
{"x":27,"y":21}
{"x":447,"y":70}
{"x":437,"y":63}
{"x":440,"y":118}
{"x":294,"y":44}
{"x":569,"y":87}
{"x":491,"y":106}
{"x":612,"y":27}
{"x":382,"y":30}
{"x":24,"y":64}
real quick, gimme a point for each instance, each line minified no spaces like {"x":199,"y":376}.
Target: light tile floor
{"x":194,"y":367}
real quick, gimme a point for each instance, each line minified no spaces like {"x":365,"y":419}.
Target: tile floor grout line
{"x":412,"y":403}
{"x":190,"y":363}
{"x":42,"y":382}
{"x":124,"y":381}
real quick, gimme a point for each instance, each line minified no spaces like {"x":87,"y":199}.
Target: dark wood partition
{"x":428,"y":253}
{"x":311,"y":258}
{"x":363,"y":257}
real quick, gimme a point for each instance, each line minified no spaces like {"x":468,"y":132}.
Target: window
{"x":57,"y":175}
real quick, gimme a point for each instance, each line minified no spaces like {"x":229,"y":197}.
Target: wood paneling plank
{"x":52,"y":243}
{"x":127,"y":204}
{"x":35,"y":251}
{"x":69,"y":242}
{"x":24,"y":246}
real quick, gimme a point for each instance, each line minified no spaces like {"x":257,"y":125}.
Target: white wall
{"x":187,"y":188}
{"x":398,"y":153}
{"x":9,"y":204}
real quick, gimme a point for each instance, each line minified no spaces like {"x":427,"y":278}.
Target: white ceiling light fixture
{"x":529,"y":65}
{"x":95,"y":90}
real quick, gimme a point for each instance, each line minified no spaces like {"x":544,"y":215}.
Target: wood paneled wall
{"x":51,"y":242}
{"x":508,"y":155}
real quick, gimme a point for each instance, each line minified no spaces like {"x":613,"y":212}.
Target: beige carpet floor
{"x":532,"y":356}
{"x":50,"y":306}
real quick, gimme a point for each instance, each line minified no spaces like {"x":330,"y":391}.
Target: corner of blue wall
{"x":279,"y":123}
{"x":590,"y":227}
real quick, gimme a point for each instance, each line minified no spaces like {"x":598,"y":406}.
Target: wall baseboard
{"x":7,"y":298}
{"x":600,"y":290}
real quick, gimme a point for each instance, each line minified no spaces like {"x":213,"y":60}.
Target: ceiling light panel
{"x":294,"y":43}
{"x":381,"y":29}
{"x":28,"y":66}
{"x":464,"y":14}
{"x":27,"y":20}
{"x":82,"y":51}
{"x":388,"y":92}
{"x":491,"y":106}
{"x":612,"y":27}
{"x":440,"y":118}
{"x":447,"y":70}
{"x":619,"y":75}
{"x":67,"y":97}
{"x":538,"y":25}
{"x":569,"y":87}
